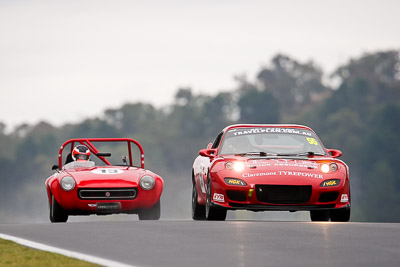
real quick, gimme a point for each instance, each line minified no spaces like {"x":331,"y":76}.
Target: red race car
{"x":270,"y":167}
{"x":103,"y":176}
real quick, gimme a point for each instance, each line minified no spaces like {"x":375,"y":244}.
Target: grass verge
{"x":13,"y":254}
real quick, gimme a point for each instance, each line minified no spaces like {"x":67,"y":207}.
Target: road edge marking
{"x":65,"y":252}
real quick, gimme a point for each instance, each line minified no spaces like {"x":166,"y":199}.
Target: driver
{"x":81,"y":153}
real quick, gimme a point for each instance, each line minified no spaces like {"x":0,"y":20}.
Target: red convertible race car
{"x":270,"y":167}
{"x":103,"y":176}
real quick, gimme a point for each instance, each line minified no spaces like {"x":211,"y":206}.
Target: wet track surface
{"x":230,"y":243}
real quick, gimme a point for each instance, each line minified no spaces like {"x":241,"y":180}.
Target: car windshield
{"x":271,"y":140}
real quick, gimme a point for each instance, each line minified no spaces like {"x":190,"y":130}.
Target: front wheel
{"x":198,"y":211}
{"x":57,"y":213}
{"x":340,"y":215}
{"x":213,"y":213}
{"x":151,"y":214}
{"x":319,"y":215}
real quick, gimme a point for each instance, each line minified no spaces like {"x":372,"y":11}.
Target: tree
{"x":295,"y":85}
{"x":258,"y":107}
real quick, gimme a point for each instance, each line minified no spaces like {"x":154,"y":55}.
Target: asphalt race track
{"x":230,"y":243}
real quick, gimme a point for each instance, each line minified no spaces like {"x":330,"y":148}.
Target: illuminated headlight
{"x":147,"y":182}
{"x":325,"y":168}
{"x":67,"y":183}
{"x":237,"y":166}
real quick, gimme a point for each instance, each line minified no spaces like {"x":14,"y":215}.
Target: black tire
{"x":57,"y":213}
{"x":340,"y":215}
{"x":151,"y":214}
{"x":198,"y":211}
{"x":213,"y":213}
{"x":319,"y":215}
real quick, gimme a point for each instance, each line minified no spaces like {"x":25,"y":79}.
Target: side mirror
{"x":207,"y":152}
{"x":54,"y":167}
{"x":334,"y":152}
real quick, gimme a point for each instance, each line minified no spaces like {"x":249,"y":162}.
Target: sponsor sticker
{"x":251,"y":131}
{"x":283,"y":173}
{"x":312,"y":141}
{"x":344,"y":198}
{"x":218,"y":197}
{"x":282,"y":163}
{"x":234,"y":181}
{"x":331,"y":182}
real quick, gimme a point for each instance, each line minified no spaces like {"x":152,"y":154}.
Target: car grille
{"x":328,"y":197}
{"x":107,"y":193}
{"x":283,"y":194}
{"x":236,"y":195}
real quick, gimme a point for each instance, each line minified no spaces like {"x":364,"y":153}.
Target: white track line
{"x":68,"y":253}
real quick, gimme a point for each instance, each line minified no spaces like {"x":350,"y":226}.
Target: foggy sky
{"x":63,"y":61}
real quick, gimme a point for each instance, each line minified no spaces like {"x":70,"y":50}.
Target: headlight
{"x":147,"y":182}
{"x":67,"y":183}
{"x":237,"y":166}
{"x":325,"y":168}
{"x":334,"y":167}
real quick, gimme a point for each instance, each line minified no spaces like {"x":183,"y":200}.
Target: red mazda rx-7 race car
{"x":270,"y":167}
{"x":103,"y":176}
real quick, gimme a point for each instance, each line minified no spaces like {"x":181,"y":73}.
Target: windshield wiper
{"x":309,"y":153}
{"x":256,"y":153}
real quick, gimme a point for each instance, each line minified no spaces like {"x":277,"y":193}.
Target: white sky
{"x":63,"y":61}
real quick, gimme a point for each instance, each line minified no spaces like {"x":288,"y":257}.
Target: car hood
{"x":108,"y":176}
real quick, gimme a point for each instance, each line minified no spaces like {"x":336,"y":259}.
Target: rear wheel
{"x":151,"y":214}
{"x":319,"y":215}
{"x":57,"y":213}
{"x":340,"y":215}
{"x":213,"y":213}
{"x":198,"y":211}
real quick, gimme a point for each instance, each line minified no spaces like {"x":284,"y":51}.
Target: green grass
{"x":12,"y":254}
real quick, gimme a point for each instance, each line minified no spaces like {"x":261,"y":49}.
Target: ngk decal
{"x":218,"y":197}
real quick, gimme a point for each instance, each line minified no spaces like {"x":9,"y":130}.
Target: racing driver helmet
{"x":81,"y":153}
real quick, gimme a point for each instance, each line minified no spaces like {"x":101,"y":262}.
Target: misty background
{"x":172,"y":74}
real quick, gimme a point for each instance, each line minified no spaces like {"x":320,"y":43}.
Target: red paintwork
{"x":127,"y":177}
{"x":276,"y":171}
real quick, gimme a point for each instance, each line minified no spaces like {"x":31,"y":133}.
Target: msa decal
{"x":218,"y":197}
{"x":107,"y":171}
{"x":344,"y":198}
{"x":312,"y":141}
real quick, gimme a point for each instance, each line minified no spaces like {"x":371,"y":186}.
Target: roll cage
{"x":88,"y":142}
